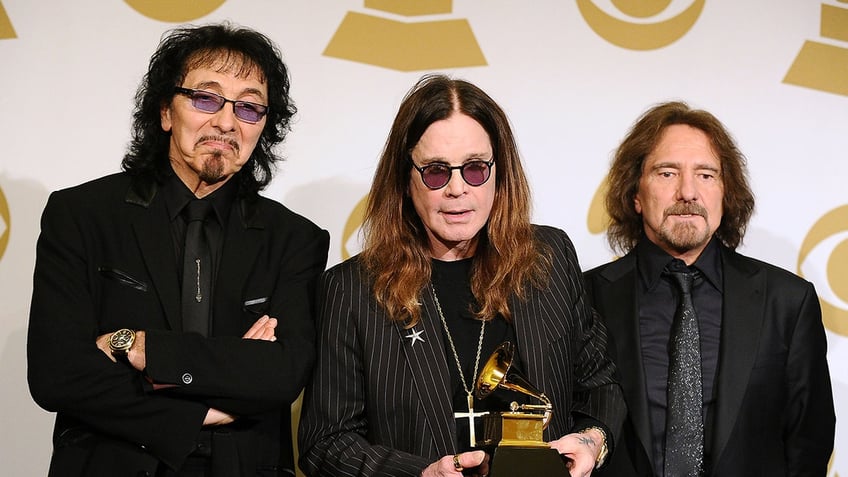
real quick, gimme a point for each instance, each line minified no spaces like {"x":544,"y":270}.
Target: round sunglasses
{"x":212,"y":103}
{"x":437,"y":174}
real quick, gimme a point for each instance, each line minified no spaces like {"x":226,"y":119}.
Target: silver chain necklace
{"x":469,"y":391}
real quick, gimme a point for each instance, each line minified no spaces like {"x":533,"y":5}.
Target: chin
{"x":684,"y":238}
{"x":685,"y":244}
{"x":212,"y":171}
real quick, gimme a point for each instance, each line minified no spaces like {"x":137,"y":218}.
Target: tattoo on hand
{"x":586,"y":440}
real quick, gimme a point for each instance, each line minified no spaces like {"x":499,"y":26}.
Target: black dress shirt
{"x":657,"y":304}
{"x":177,"y":196}
{"x":452,"y":283}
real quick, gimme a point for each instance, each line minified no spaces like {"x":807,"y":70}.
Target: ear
{"x":637,"y":204}
{"x":165,"y":117}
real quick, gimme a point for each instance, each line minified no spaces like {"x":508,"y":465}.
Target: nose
{"x":687,"y":189}
{"x":456,"y":185}
{"x":225,"y":119}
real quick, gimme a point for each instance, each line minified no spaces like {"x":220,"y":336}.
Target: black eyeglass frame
{"x":450,"y":168}
{"x":260,"y":109}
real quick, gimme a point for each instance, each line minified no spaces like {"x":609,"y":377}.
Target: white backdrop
{"x":68,"y":72}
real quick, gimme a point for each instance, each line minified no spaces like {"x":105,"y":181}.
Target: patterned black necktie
{"x":684,"y":432}
{"x":197,"y":269}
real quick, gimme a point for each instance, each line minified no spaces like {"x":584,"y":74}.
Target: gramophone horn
{"x":496,"y":373}
{"x":495,"y":370}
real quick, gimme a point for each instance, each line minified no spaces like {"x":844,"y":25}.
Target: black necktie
{"x":197,"y":268}
{"x":684,"y":432}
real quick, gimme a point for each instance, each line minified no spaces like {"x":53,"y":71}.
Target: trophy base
{"x":513,"y":461}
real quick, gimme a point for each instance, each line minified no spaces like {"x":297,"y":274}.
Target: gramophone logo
{"x":597,"y":220}
{"x":822,"y":259}
{"x":6,"y":29}
{"x":823,"y":65}
{"x":5,"y":224}
{"x":350,"y":234}
{"x":640,"y":33}
{"x":378,"y":40}
{"x":175,"y":11}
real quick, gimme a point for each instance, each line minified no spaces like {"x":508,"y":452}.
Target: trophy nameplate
{"x":513,"y":429}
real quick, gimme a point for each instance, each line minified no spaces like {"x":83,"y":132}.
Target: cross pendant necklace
{"x":469,"y":391}
{"x":471,"y":415}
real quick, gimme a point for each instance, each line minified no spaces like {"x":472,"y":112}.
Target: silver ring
{"x":456,"y":464}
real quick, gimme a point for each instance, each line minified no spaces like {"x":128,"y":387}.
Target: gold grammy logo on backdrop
{"x":352,"y":228}
{"x":824,"y":66}
{"x":826,"y":247}
{"x":6,"y":28}
{"x":5,"y":223}
{"x":425,"y":45}
{"x":597,"y":220}
{"x":638,"y":35}
{"x":175,"y":11}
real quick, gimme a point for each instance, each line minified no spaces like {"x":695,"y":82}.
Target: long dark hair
{"x":395,"y":252}
{"x":626,"y":226}
{"x":238,"y":49}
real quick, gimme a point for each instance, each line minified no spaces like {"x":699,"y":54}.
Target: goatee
{"x":212,"y":171}
{"x":684,"y":237}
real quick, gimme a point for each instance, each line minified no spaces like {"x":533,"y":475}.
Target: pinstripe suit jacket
{"x":379,"y":405}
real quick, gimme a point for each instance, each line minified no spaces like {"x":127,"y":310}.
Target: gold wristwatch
{"x":602,"y":456}
{"x":121,"y":341}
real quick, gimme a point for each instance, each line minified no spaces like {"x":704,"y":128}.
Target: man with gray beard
{"x":721,"y":357}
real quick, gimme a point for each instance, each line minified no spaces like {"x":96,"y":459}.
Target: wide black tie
{"x":197,"y":268}
{"x":684,"y":433}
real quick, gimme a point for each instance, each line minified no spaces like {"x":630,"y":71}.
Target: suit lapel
{"x":742,"y":321}
{"x":156,"y":247}
{"x":530,"y":342}
{"x":242,"y":242}
{"x":428,"y":363}
{"x":622,"y":320}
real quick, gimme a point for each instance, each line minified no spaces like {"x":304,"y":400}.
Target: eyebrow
{"x":676,"y":165}
{"x":476,"y":156}
{"x":216,"y":85}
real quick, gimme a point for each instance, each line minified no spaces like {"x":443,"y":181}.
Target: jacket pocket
{"x":256,"y":306}
{"x":78,"y":451}
{"x":122,"y":277}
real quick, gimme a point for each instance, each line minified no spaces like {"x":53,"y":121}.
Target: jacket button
{"x":187,"y":378}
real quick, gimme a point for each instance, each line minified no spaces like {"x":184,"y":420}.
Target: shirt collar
{"x":177,"y":195}
{"x":652,"y":261}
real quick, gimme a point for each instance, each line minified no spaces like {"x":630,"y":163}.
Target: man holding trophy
{"x":412,"y":354}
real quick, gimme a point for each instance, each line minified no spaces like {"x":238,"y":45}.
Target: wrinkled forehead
{"x":228,"y":62}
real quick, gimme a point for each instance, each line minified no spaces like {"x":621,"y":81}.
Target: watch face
{"x":121,"y":339}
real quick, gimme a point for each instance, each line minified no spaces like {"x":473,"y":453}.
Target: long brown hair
{"x":626,"y":225}
{"x":395,"y":251}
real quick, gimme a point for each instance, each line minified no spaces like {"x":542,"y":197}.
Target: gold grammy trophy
{"x":514,"y":438}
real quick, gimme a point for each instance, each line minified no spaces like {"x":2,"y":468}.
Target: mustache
{"x":686,"y":208}
{"x":227,"y":140}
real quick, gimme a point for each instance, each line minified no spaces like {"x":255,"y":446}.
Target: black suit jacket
{"x":105,"y":261}
{"x":380,"y":405}
{"x":774,"y":411}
